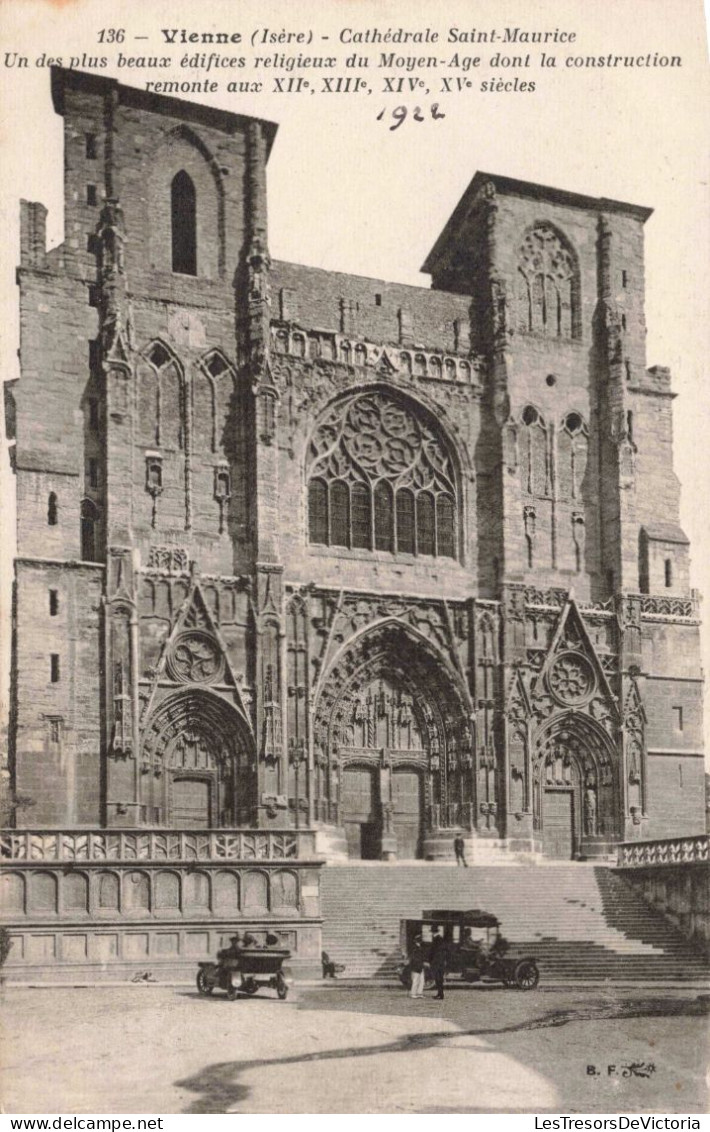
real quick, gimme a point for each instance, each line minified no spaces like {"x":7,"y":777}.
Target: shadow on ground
{"x":219,"y":1090}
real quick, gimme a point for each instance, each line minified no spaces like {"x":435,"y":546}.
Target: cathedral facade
{"x":299,"y":550}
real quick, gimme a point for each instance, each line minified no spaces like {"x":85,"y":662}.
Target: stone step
{"x":577,"y":921}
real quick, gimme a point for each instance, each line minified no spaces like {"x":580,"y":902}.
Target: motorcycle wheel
{"x":203,"y":986}
{"x":281,"y":987}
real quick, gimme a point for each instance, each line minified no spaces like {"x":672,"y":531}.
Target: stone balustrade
{"x":156,"y":845}
{"x":669,"y":851}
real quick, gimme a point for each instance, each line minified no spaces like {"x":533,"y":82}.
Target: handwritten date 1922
{"x":401,"y":113}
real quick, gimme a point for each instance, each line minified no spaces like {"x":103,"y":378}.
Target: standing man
{"x":416,"y":966}
{"x":437,"y":961}
{"x":459,"y":846}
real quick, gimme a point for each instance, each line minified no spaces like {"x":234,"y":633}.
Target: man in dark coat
{"x":417,"y":959}
{"x":459,"y":847}
{"x":437,"y":961}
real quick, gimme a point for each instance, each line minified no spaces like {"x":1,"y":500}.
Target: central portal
{"x":393,"y":746}
{"x":384,"y":757}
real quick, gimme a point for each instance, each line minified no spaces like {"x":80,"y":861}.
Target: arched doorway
{"x":575,"y":789}
{"x":195,"y":764}
{"x":392,"y":735}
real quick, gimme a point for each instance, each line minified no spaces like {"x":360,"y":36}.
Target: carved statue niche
{"x":590,"y":808}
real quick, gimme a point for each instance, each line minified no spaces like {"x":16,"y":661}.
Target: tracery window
{"x":380,"y":477}
{"x":573,"y":443}
{"x":547,"y":285}
{"x":534,"y":464}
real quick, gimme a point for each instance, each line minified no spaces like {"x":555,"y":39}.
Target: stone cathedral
{"x":303,"y":551}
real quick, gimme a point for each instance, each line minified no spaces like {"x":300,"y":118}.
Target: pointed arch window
{"x":183,"y":214}
{"x":381,"y":478}
{"x":548,"y":286}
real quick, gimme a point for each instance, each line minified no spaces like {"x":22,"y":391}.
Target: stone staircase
{"x":580,"y":922}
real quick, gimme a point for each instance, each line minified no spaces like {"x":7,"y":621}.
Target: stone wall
{"x":104,"y":906}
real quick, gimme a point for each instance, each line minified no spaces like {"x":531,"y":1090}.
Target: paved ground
{"x":345,"y":1049}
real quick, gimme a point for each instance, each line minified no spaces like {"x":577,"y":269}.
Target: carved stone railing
{"x":670,"y":851}
{"x":662,"y":607}
{"x":352,"y":350}
{"x":103,"y":845}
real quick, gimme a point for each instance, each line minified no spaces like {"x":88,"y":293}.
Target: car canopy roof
{"x":473,"y":918}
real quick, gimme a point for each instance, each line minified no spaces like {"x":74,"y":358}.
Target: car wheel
{"x":527,"y":975}
{"x":203,"y":986}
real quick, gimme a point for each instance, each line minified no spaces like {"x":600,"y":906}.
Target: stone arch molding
{"x":195,"y":737}
{"x":424,"y":709}
{"x":573,"y":751}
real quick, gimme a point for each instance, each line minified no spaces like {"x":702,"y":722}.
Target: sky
{"x":348,"y":193}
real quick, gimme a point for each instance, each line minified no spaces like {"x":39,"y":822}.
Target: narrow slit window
{"x":52,"y":510}
{"x":678,"y":718}
{"x":361,"y":516}
{"x":405,"y":521}
{"x":91,"y":195}
{"x":339,"y":513}
{"x":383,"y":517}
{"x":184,"y":224}
{"x":668,"y":573}
{"x":89,"y":518}
{"x":54,"y":667}
{"x":91,"y":146}
{"x":445,"y":526}
{"x":318,"y":512}
{"x":53,"y":603}
{"x":425,"y":524}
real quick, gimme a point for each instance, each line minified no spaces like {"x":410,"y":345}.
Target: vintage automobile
{"x":245,"y":971}
{"x":475,"y":949}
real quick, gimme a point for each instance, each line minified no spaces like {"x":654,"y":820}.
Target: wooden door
{"x":558,"y":825}
{"x":191,"y":803}
{"x":358,"y":810}
{"x":407,"y":815}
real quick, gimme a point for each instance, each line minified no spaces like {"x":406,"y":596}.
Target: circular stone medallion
{"x":571,"y":679}
{"x":195,"y":659}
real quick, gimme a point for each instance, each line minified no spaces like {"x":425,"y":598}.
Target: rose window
{"x":571,"y":679}
{"x":195,"y":659}
{"x":381,"y":478}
